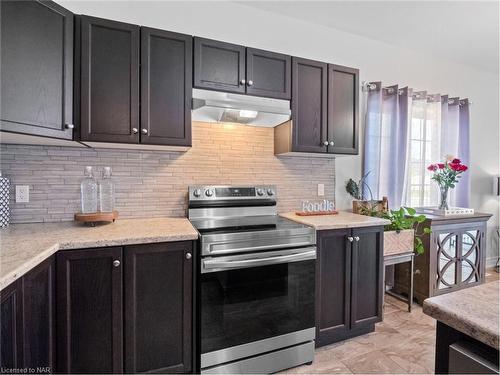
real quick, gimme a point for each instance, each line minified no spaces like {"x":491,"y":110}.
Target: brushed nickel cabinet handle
{"x":69,"y":126}
{"x":325,"y":143}
{"x":188,"y":255}
{"x":116,"y":263}
{"x":135,"y":131}
{"x":144,"y":131}
{"x":356,"y":238}
{"x":351,"y":239}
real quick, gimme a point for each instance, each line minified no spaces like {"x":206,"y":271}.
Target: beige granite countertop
{"x":24,"y":246}
{"x":344,"y":219}
{"x":474,"y":311}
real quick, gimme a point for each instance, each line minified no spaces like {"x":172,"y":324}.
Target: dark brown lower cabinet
{"x":11,"y":311}
{"x":89,"y":311}
{"x":158,"y":308}
{"x":28,"y":321}
{"x":39,"y":317}
{"x":348,"y":283}
{"x":125,"y":309}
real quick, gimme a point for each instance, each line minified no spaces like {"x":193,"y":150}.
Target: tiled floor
{"x":403,"y":343}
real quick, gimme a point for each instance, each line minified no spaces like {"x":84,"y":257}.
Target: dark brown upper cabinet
{"x":234,"y":68}
{"x":28,"y":320}
{"x":37,"y":69}
{"x":349,"y":283}
{"x":343,"y":109}
{"x":158,"y":308}
{"x":90,"y":311}
{"x":109,"y":80}
{"x":268,"y":74}
{"x":309,"y":105}
{"x":166,"y":87}
{"x":324,"y":110}
{"x":219,"y":65}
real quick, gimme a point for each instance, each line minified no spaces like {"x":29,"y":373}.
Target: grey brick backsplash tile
{"x":154,"y":183}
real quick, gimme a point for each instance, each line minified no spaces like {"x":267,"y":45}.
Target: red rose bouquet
{"x":447,"y":175}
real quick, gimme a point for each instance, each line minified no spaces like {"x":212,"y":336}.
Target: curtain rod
{"x":368,"y":86}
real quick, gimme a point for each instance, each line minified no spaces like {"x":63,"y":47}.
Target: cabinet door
{"x":309,"y":105}
{"x":11,"y":336}
{"x":333,"y":275}
{"x":367,"y":276}
{"x":158,"y":312}
{"x":37,"y":68}
{"x":268,"y":74}
{"x":89,"y":311}
{"x":166,"y":87}
{"x":219,"y":65}
{"x":109,"y":87}
{"x":39,"y":316}
{"x":343,"y":107}
{"x":472,"y":255}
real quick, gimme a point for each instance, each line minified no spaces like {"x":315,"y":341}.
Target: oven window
{"x":244,"y":305}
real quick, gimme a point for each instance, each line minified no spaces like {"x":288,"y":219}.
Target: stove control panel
{"x":197,"y":193}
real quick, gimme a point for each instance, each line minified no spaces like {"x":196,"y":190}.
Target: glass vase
{"x":443,"y":197}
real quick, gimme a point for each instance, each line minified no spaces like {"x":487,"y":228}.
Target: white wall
{"x":239,"y":24}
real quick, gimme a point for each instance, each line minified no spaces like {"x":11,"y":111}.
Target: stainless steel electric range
{"x":257,"y":281}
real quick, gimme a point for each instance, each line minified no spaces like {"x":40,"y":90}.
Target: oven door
{"x":256,"y":303}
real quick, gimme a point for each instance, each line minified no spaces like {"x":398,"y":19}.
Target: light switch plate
{"x":321,"y":190}
{"x":22,"y":193}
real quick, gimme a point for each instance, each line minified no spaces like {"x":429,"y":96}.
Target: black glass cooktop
{"x":245,"y":224}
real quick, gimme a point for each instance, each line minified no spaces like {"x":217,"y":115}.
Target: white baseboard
{"x":491,"y":262}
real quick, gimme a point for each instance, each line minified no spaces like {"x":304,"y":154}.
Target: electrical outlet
{"x":321,"y":190}
{"x":22,"y":193}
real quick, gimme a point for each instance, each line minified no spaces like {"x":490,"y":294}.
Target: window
{"x":423,"y":149}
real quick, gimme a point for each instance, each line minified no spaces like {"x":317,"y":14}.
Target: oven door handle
{"x":211,"y":264}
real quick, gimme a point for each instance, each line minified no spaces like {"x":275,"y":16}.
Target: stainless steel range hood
{"x":216,"y":106}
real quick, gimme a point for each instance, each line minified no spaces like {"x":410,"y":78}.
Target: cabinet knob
{"x":188,"y":255}
{"x":325,"y":143}
{"x":242,"y":82}
{"x":250,"y":83}
{"x":332,"y":143}
{"x":350,"y":239}
{"x":134,"y":130}
{"x":69,"y":126}
{"x":116,"y":263}
{"x":356,"y":238}
{"x":144,"y":131}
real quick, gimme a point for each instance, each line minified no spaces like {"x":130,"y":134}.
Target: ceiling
{"x":462,"y":31}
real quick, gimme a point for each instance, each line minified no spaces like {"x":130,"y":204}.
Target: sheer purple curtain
{"x":462,"y":194}
{"x":386,"y":136}
{"x":396,"y":160}
{"x":455,"y":135}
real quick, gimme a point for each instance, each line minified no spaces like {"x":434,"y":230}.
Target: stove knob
{"x":209,"y":192}
{"x":260,"y":192}
{"x":197,"y":192}
{"x":270,"y":192}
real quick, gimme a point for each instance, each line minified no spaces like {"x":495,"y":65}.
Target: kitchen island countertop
{"x":342,"y":220}
{"x":24,"y":246}
{"x":473,"y":311}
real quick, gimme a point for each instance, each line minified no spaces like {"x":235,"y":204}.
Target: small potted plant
{"x":359,"y":204}
{"x":403,"y":233}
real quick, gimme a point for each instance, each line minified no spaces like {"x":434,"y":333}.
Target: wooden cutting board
{"x":317,"y":213}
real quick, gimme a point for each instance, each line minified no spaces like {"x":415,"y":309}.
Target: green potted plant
{"x":404,"y":232}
